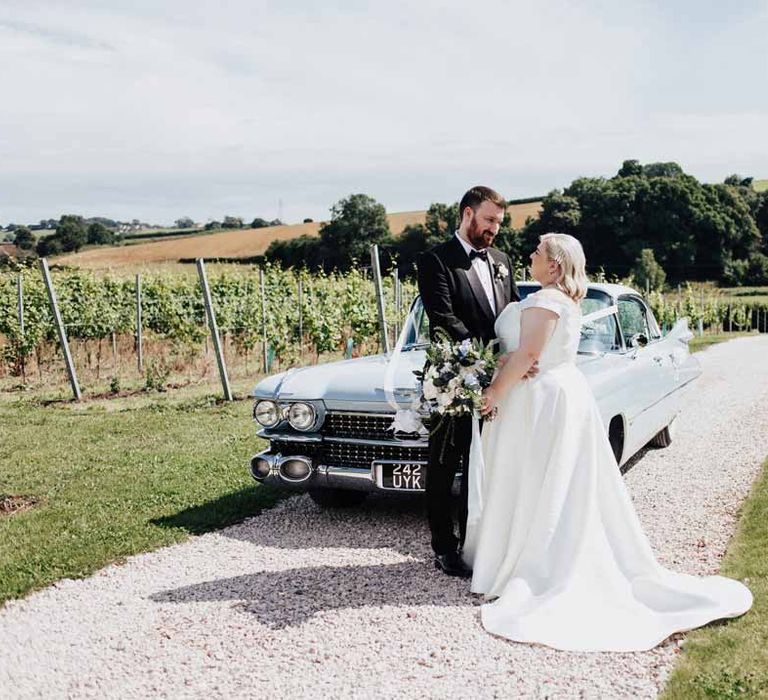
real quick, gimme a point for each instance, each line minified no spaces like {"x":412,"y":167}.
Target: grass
{"x":760,"y":185}
{"x":108,"y":480}
{"x":730,"y":660}
{"x":753,"y":296}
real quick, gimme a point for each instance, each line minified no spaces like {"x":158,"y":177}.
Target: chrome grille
{"x":367,"y":426}
{"x":353,"y":426}
{"x":289,"y":447}
{"x":350,"y":454}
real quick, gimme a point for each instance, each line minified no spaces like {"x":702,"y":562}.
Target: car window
{"x":417,"y":325}
{"x":632,"y":317}
{"x":653,"y":325}
{"x":602,"y":334}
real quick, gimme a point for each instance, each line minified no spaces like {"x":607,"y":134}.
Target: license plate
{"x":400,"y":476}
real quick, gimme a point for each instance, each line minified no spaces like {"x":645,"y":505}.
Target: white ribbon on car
{"x":406,"y":420}
{"x":601,"y":313}
{"x":475,"y":474}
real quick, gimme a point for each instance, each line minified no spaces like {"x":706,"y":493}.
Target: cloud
{"x":201,"y":106}
{"x":55,"y":36}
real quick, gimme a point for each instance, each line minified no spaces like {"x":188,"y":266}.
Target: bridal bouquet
{"x":455,"y":375}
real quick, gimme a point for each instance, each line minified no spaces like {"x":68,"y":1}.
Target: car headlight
{"x":302,"y":416}
{"x":267,"y":413}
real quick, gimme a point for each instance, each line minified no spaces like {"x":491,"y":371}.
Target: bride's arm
{"x":537,"y":326}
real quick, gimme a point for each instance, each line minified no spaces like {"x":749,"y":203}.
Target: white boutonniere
{"x":500,"y":271}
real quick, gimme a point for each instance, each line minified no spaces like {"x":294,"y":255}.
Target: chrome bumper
{"x":324,"y":476}
{"x":320,"y":476}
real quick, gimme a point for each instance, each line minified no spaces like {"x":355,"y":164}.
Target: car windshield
{"x":601,"y":335}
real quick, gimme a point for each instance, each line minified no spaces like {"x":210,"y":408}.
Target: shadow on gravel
{"x":224,"y":511}
{"x":380,"y":522}
{"x":287,"y":598}
{"x":281,"y":599}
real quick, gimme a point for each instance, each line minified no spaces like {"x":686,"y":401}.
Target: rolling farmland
{"x":238,"y":243}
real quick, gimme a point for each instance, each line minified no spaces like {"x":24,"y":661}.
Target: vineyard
{"x":303,"y":318}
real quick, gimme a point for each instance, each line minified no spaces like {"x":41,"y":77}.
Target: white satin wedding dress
{"x":552,"y":530}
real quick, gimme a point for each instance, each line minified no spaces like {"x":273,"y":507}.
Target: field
{"x":238,"y":243}
{"x":760,"y":185}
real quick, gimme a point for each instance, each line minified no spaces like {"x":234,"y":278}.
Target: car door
{"x":647,"y":370}
{"x":671,"y":351}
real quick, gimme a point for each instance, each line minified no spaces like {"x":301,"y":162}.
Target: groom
{"x":464,"y":284}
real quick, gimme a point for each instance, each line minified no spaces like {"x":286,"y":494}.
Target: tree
{"x":647,"y":272}
{"x":692,"y":228}
{"x":761,"y":218}
{"x":630,"y":168}
{"x":49,"y":245}
{"x":258,"y":222}
{"x":302,"y":251}
{"x":71,"y":232}
{"x":185,"y":222}
{"x":307,"y":221}
{"x":357,"y":222}
{"x":232,"y":222}
{"x":738,"y":181}
{"x":24,"y":238}
{"x":99,"y":234}
{"x":213,"y":225}
{"x":276,"y":222}
{"x":662,"y":170}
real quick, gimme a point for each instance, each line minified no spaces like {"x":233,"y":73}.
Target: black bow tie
{"x":482,"y":254}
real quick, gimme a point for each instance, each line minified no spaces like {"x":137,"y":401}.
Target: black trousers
{"x":448,"y":452}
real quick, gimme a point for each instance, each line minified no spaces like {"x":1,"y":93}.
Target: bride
{"x":552,"y":534}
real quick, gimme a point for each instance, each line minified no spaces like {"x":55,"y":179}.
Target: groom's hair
{"x":475,"y":196}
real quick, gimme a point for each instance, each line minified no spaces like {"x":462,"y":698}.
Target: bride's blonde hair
{"x":567,"y":252}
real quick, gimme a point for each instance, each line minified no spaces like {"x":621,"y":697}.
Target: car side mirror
{"x":638,"y":340}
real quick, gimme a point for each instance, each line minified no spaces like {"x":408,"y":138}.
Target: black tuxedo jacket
{"x":453,"y":295}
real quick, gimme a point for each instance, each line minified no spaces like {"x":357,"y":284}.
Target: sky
{"x":158,"y":110}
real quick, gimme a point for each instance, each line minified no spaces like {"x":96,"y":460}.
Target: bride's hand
{"x":490,"y":402}
{"x":533,"y":371}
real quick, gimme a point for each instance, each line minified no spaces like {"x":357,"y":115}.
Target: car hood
{"x":358,"y":381}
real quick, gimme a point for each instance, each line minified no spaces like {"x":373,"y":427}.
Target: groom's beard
{"x":479,"y":238}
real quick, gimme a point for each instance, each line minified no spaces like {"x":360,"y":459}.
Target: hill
{"x":237,"y":243}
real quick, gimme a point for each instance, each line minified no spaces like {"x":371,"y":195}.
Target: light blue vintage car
{"x":330,"y":426}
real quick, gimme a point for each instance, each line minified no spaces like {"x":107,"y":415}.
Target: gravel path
{"x":300,"y":602}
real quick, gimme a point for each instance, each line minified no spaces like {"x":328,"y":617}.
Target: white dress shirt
{"x":483,"y":270}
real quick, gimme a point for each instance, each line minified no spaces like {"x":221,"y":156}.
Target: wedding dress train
{"x":552,"y":532}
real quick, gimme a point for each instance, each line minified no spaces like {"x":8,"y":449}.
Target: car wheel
{"x":337,"y":498}
{"x":664,"y":437}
